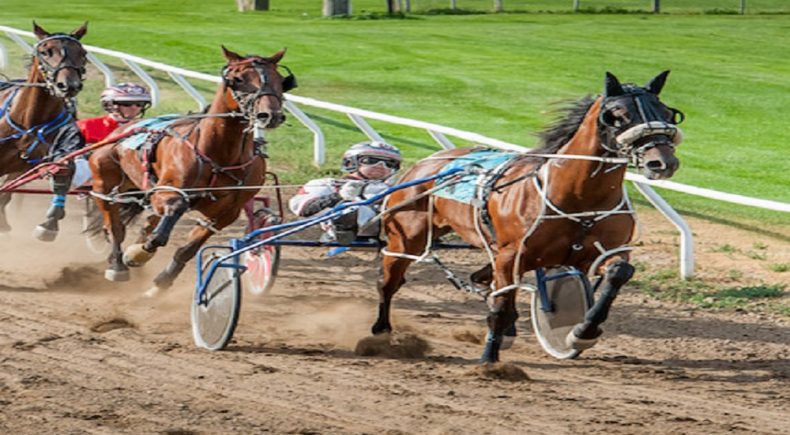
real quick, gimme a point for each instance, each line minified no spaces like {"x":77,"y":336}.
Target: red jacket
{"x":96,"y":129}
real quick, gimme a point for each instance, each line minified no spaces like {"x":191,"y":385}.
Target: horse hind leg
{"x":584,"y":335}
{"x":503,"y":314}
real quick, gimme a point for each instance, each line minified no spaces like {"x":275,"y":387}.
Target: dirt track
{"x":81,"y":355}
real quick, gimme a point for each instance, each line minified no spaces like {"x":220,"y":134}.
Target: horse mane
{"x":562,"y":130}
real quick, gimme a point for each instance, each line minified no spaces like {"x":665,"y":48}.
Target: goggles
{"x":372,"y":160}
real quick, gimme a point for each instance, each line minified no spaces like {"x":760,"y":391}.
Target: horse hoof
{"x":576,"y":343}
{"x":116,"y":275}
{"x":153,"y":292}
{"x":507,"y":342}
{"x":44,"y":234}
{"x":136,"y":256}
{"x":5,"y":228}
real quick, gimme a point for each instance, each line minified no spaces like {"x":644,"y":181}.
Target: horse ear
{"x":613,"y":86}
{"x":276,"y":57}
{"x":40,"y":33}
{"x":654,"y":86}
{"x":231,"y":56}
{"x":79,"y":33}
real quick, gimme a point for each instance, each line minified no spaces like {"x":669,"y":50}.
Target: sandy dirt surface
{"x":79,"y":354}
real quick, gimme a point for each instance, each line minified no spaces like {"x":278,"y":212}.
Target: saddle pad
{"x":134,"y":142}
{"x":465,"y":190}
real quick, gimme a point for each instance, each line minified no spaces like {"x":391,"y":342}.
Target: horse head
{"x":634,"y":123}
{"x":257,"y":86}
{"x":61,"y":60}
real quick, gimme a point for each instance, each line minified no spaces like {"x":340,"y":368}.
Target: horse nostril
{"x":62,"y":86}
{"x":655,"y":165}
{"x":78,"y":86}
{"x":262,"y":116}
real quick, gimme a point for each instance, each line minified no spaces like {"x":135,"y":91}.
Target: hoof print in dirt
{"x":501,"y":371}
{"x":393,"y":346}
{"x":110,"y":325}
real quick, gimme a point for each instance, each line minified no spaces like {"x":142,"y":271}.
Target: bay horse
{"x":561,"y":204}
{"x":193,"y":160}
{"x":33,"y":111}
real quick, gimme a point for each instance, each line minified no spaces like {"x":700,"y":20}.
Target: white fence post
{"x":686,"y":237}
{"x":185,"y":85}
{"x":3,"y":56}
{"x":109,"y":78}
{"x":319,"y":142}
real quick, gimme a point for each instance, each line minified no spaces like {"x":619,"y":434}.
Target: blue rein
{"x":41,"y":130}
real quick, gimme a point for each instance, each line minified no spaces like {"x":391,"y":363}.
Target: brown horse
{"x":195,"y":159}
{"x":33,"y":112}
{"x":562,"y":204}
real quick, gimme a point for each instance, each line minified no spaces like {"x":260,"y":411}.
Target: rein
{"x":40,"y":130}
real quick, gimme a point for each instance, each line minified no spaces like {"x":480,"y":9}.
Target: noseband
{"x":651,"y":124}
{"x":246,"y":100}
{"x":50,"y":72}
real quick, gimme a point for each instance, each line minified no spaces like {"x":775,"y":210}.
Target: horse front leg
{"x":165,"y":279}
{"x":616,"y":272}
{"x":47,"y":231}
{"x":197,"y":237}
{"x":503,"y":314}
{"x":170,"y":206}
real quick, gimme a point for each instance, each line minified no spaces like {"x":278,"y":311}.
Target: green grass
{"x":496,"y":74}
{"x":665,"y":285}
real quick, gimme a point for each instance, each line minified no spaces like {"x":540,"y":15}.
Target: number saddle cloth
{"x":146,"y":141}
{"x":485,"y":168}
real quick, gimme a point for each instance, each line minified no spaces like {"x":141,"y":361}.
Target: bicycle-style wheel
{"x":569,"y":301}
{"x":262,"y":265}
{"x":214,"y":321}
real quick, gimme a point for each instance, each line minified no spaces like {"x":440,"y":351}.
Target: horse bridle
{"x":652,"y":124}
{"x":246,"y":100}
{"x":50,"y":72}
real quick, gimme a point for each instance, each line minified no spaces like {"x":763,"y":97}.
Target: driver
{"x":369,"y":168}
{"x":123,"y":103}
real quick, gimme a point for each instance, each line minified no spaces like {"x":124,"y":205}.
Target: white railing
{"x":438,"y":132}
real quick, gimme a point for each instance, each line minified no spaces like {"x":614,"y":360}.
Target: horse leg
{"x":392,"y":271}
{"x":615,"y":275}
{"x":171,"y":207}
{"x":117,"y":270}
{"x":151,"y":222}
{"x":503,"y":313}
{"x":5,"y":198}
{"x":197,"y":237}
{"x":61,"y":184}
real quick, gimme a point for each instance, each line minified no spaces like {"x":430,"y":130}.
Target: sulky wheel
{"x":569,"y":298}
{"x":262,"y":263}
{"x":214,"y":319}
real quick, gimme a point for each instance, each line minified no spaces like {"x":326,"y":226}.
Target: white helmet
{"x":125,"y":93}
{"x":377,"y":150}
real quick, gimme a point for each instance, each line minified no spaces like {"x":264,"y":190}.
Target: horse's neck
{"x":587,"y":183}
{"x":220,"y":137}
{"x":35,"y":105}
